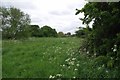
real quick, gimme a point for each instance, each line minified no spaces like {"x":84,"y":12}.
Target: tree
{"x":68,"y":34}
{"x":83,"y":32}
{"x":15,"y":23}
{"x":48,"y":31}
{"x":80,"y":32}
{"x":61,"y":34}
{"x":106,"y":27}
{"x":36,"y":31}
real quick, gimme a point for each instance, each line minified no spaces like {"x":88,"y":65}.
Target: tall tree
{"x":106,"y":27}
{"x":48,"y":31}
{"x":15,"y":23}
{"x":36,"y":31}
{"x":61,"y":34}
{"x":68,"y":34}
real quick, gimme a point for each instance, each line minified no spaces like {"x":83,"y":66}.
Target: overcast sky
{"x":58,"y":14}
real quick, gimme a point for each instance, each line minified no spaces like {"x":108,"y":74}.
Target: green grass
{"x":38,"y":57}
{"x":50,"y":57}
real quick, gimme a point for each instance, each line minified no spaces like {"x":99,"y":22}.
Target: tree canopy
{"x":105,"y":30}
{"x":61,"y":34}
{"x":48,"y":31}
{"x":15,"y":23}
{"x":35,"y":31}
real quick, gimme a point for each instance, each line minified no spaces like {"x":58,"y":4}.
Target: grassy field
{"x":40,"y":57}
{"x":49,"y":58}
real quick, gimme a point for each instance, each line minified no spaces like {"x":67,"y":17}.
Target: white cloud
{"x":59,"y":14}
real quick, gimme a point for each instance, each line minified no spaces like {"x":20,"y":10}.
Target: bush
{"x":101,"y":60}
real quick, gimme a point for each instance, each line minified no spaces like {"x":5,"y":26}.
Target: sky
{"x":58,"y":14}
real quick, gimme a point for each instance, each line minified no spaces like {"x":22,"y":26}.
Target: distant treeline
{"x":16,"y":25}
{"x":46,"y":31}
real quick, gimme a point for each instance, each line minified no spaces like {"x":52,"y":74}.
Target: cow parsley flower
{"x":87,"y":52}
{"x":75,"y":69}
{"x":50,"y":76}
{"x":73,"y":58}
{"x":74,"y":77}
{"x":106,"y":71}
{"x":114,"y":50}
{"x":58,"y":75}
{"x":99,"y":68}
{"x":63,"y":65}
{"x":77,"y":64}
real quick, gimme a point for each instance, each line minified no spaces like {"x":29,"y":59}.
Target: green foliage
{"x":48,"y":31}
{"x":15,"y":23}
{"x":61,"y":34}
{"x":103,"y":39}
{"x":101,"y":60}
{"x":36,"y":31}
{"x":52,"y":58}
{"x":45,"y":31}
{"x":38,"y":57}
{"x":82,"y":32}
{"x":110,"y":64}
{"x":68,"y":34}
{"x":104,"y":61}
{"x":91,"y":67}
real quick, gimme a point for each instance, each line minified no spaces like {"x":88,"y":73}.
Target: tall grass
{"x":50,"y":58}
{"x":38,"y":57}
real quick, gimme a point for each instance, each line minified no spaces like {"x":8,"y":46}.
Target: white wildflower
{"x":116,"y":59}
{"x":103,"y":65}
{"x":114,"y":50}
{"x":50,"y":76}
{"x":111,"y":57}
{"x":67,"y":59}
{"x":92,"y":56}
{"x":63,"y":65}
{"x":71,"y":63}
{"x":74,"y":77}
{"x":84,"y":49}
{"x":87,"y":52}
{"x":77,"y":64}
{"x":53,"y":76}
{"x":58,"y":75}
{"x":68,"y":67}
{"x":106,"y":71}
{"x":115,"y":45}
{"x":95,"y":54}
{"x":75,"y":69}
{"x":99,"y":68}
{"x":73,"y":58}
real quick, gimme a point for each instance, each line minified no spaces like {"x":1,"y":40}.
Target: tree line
{"x":16,"y":25}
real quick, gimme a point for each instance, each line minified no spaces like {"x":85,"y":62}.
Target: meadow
{"x":39,"y":57}
{"x":48,"y":58}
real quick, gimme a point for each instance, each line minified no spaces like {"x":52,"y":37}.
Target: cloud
{"x":59,"y":14}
